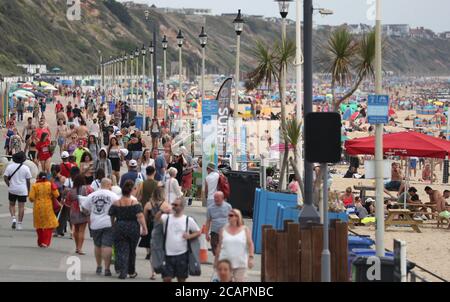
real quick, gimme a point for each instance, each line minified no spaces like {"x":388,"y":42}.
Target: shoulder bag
{"x":194,"y":253}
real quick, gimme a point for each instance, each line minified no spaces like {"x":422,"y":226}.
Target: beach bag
{"x":194,"y":254}
{"x":223,"y":185}
{"x":157,"y":247}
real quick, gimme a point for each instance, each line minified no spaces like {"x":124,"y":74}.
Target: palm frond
{"x":293,"y":132}
{"x":366,"y":56}
{"x":265,"y":71}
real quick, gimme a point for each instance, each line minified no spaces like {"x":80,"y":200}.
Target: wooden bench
{"x":402,"y":217}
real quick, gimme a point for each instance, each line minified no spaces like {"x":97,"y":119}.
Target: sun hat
{"x":65,"y":155}
{"x":133,"y":163}
{"x":211,"y":166}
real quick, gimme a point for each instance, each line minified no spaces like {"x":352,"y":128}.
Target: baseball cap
{"x":65,"y":155}
{"x":133,"y":163}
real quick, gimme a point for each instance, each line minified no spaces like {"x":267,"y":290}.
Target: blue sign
{"x":210,"y":107}
{"x":378,"y":109}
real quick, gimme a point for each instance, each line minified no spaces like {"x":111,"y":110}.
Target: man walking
{"x":216,"y":219}
{"x":132,"y":173}
{"x":98,"y":204}
{"x":212,"y":180}
{"x":160,"y":165}
{"x":178,"y":229}
{"x":17,"y":177}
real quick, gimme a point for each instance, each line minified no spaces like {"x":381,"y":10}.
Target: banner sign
{"x":223,"y":100}
{"x":210,"y":127}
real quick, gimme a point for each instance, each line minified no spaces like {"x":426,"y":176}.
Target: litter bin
{"x":243,"y":185}
{"x":139,"y":122}
{"x":359,"y":242}
{"x":360,"y":268}
{"x":132,"y":117}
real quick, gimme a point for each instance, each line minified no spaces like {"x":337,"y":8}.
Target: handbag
{"x":194,"y":254}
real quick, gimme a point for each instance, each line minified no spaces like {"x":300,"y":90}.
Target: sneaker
{"x":99,"y":270}
{"x":14,"y":223}
{"x":108,"y":273}
{"x":424,"y":217}
{"x":19,"y":226}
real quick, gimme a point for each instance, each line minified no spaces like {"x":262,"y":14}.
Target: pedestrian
{"x":114,"y":155}
{"x":224,"y":271}
{"x":58,"y":180}
{"x":61,"y":134}
{"x":155,"y":130}
{"x":27,"y":132}
{"x":236,"y":245}
{"x":20,"y":109}
{"x":43,"y":152}
{"x":93,"y":147}
{"x":187,"y":171}
{"x":104,"y":163}
{"x":172,"y":187}
{"x":132,"y":173}
{"x":17,"y":177}
{"x":79,"y":151}
{"x":216,"y":219}
{"x":145,"y":161}
{"x":160,"y":165}
{"x":178,"y":229}
{"x":43,"y":194}
{"x":78,"y":219}
{"x":87,"y":167}
{"x":128,"y":225}
{"x":15,"y":142}
{"x":99,"y":175}
{"x":98,"y":204}
{"x":178,"y":163}
{"x":211,"y":183}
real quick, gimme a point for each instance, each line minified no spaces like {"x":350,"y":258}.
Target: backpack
{"x":223,"y":185}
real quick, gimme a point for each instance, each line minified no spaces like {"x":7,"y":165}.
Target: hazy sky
{"x":433,"y":14}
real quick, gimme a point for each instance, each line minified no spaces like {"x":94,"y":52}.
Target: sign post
{"x":378,"y":109}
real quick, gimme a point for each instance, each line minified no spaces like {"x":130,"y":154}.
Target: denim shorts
{"x":176,"y":266}
{"x":136,"y":155}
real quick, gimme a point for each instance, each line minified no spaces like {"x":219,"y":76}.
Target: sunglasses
{"x":231,"y":215}
{"x":175,"y":205}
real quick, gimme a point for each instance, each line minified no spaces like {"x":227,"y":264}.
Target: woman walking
{"x":43,"y":195}
{"x":32,"y":151}
{"x":71,"y":144}
{"x":236,"y":245}
{"x":128,"y":219}
{"x":173,"y":189}
{"x":103,"y":163}
{"x":145,"y":161}
{"x":87,"y":167}
{"x":115,"y":157}
{"x":43,"y":152}
{"x":77,"y":218}
{"x":93,"y":146}
{"x":152,"y":211}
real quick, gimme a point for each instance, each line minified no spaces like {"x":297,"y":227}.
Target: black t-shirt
{"x":76,"y":112}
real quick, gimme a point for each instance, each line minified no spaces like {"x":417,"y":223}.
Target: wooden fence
{"x":294,"y":254}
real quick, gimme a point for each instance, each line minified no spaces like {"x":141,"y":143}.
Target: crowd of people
{"x":87,"y":190}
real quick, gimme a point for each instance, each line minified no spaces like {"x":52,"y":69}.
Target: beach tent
{"x":402,"y":144}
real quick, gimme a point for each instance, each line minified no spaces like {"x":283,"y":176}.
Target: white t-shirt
{"x":95,"y":185}
{"x":98,"y":204}
{"x":68,"y":183}
{"x":175,"y":243}
{"x":18,"y":183}
{"x":212,"y":180}
{"x":94,"y":130}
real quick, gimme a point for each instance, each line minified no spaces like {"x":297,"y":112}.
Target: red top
{"x":59,"y":107}
{"x":66,"y":167}
{"x":40,"y":131}
{"x":43,"y":150}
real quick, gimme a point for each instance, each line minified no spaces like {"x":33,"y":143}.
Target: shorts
{"x":13,"y":198}
{"x":103,"y":237}
{"x":32,"y":155}
{"x":176,"y":266}
{"x":393,"y":185}
{"x":61,"y":141}
{"x":214,"y":242}
{"x":136,"y":155}
{"x":413,"y":163}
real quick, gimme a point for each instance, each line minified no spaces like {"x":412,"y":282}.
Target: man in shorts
{"x":17,"y":177}
{"x":98,"y":204}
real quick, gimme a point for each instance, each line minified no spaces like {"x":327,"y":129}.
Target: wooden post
{"x":285,"y":224}
{"x":264,"y":250}
{"x":282,"y":255}
{"x":306,"y":255}
{"x":333,"y":251}
{"x":270,"y":259}
{"x":342,"y":251}
{"x":317,"y":247}
{"x":293,"y":238}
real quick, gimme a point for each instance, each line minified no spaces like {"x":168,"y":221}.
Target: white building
{"x":33,"y":68}
{"x":396,"y":30}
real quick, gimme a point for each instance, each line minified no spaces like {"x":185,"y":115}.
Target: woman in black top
{"x":127,"y":217}
{"x":178,"y":163}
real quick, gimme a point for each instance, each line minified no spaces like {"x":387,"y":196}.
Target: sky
{"x":432,"y":14}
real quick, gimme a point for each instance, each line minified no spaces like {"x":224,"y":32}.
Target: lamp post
{"x":136,"y":55}
{"x":298,"y":69}
{"x":153,"y":67}
{"x":125,"y":80}
{"x":203,"y":41}
{"x":180,"y":41}
{"x":379,"y":186}
{"x":284,"y":10}
{"x":238,"y":28}
{"x":151,"y":50}
{"x":131,"y":77}
{"x":165,"y":44}
{"x":143,"y":52}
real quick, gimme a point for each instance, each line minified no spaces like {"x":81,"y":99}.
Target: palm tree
{"x":293,"y":135}
{"x":349,"y":61}
{"x":271,"y":66}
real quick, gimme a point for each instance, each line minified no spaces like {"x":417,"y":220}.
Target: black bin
{"x":243,"y":185}
{"x":132,"y":116}
{"x":360,"y":268}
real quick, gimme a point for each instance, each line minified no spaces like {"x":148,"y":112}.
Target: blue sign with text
{"x":378,"y":109}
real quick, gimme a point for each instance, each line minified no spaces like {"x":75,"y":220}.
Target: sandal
{"x":133,"y":276}
{"x":80,"y":252}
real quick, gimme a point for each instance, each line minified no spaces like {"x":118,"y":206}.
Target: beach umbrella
{"x":23,"y":92}
{"x":50,"y":88}
{"x":27,"y":85}
{"x":438,"y":103}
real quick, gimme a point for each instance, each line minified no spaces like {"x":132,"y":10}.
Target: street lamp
{"x":151,"y":50}
{"x":284,"y":7}
{"x":165,"y":45}
{"x":143,"y":52}
{"x":136,"y":55}
{"x":125,"y":80}
{"x":203,"y":41}
{"x":180,"y":41}
{"x":238,"y":28}
{"x":131,"y":77}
